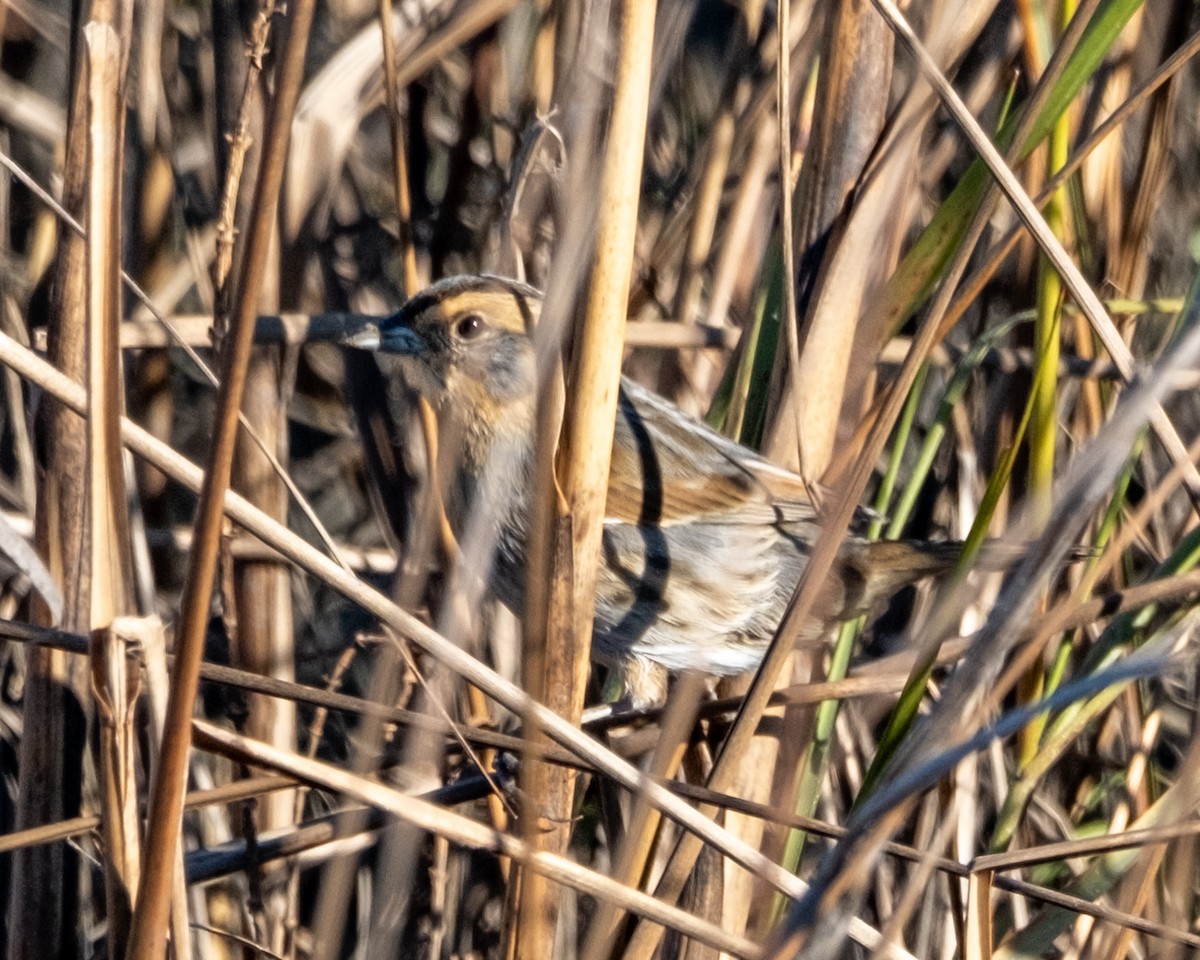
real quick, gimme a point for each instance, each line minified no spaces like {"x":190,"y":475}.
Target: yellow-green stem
{"x":1043,"y":427}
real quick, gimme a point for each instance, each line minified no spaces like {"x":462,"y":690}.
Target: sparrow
{"x":704,"y":540}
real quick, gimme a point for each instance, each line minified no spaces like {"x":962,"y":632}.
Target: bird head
{"x":464,"y":343}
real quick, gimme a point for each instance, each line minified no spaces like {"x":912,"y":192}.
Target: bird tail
{"x":873,"y":570}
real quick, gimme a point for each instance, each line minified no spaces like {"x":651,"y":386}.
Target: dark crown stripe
{"x":414,"y":308}
{"x":451,"y":287}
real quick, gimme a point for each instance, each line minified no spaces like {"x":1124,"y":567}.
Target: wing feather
{"x":711,"y":478}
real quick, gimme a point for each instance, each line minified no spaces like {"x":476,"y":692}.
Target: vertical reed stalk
{"x":585,"y":453}
{"x":107,"y":521}
{"x":1043,"y":424}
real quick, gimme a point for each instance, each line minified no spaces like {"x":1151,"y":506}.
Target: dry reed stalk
{"x":22,"y":441}
{"x":245,"y":105}
{"x":149,"y":72}
{"x":704,"y":220}
{"x":979,"y":936}
{"x":631,"y":859}
{"x":408,"y":251}
{"x":259,"y":608}
{"x":376,"y":561}
{"x":53,"y":688}
{"x":80,"y":826}
{"x":263,"y":641}
{"x":116,"y":685}
{"x":855,"y":63}
{"x":740,"y":245}
{"x":150,"y":921}
{"x":301,"y":328}
{"x":581,"y":468}
{"x":1131,"y":261}
{"x":107,"y":520}
{"x":1086,"y":846}
{"x":856,"y":59}
{"x":148,"y":637}
{"x":56,"y":692}
{"x":542,"y":69}
{"x":28,"y":112}
{"x":689,"y":379}
{"x":256,"y":592}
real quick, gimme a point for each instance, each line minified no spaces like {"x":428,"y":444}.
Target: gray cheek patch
{"x":509,"y":367}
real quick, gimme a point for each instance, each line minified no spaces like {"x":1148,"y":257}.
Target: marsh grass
{"x":975,"y":315}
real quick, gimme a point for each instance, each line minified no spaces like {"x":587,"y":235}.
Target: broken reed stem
{"x":106,"y":520}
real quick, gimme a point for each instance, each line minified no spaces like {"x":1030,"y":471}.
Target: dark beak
{"x":385,"y":337}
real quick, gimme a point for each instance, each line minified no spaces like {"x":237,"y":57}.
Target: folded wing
{"x":711,"y":478}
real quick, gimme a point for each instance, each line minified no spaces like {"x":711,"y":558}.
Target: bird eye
{"x":470,"y":327}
